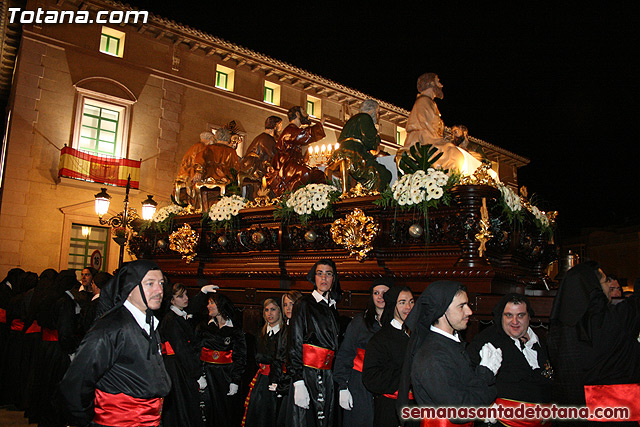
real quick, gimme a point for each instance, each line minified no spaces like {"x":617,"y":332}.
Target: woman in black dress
{"x":224,"y":357}
{"x":181,"y":406}
{"x":261,"y":402}
{"x":354,"y":398}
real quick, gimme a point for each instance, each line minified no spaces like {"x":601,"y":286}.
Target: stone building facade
{"x":167,"y":83}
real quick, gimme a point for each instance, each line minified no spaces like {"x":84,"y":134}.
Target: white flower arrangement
{"x":510,"y":198}
{"x":415,"y":188}
{"x":165,"y":212}
{"x":311,"y":198}
{"x":540,"y":216}
{"x":226,"y":208}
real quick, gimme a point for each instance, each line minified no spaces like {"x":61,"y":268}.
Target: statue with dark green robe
{"x":359,"y":141}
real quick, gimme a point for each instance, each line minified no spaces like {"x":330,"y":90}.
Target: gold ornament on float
{"x":485,"y":234}
{"x":355,"y":233}
{"x":481,"y":176}
{"x":184,"y":241}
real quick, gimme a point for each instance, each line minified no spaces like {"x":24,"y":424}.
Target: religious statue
{"x":257,"y":160}
{"x":191,"y":170}
{"x":289,"y":167}
{"x":359,"y":142}
{"x":424,"y":125}
{"x":221,"y":164}
{"x":460,"y":138}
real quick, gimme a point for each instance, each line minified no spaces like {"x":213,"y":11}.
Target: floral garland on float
{"x":224,"y":211}
{"x":422,"y":186}
{"x":516,"y":207}
{"x":312,"y":200}
{"x":162,"y":219}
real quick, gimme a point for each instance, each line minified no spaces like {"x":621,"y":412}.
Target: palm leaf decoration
{"x":420,"y":157}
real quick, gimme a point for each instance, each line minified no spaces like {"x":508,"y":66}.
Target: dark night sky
{"x":554,"y":83}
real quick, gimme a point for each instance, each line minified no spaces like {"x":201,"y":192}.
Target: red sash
{"x":126,"y":411}
{"x":17,"y":325}
{"x":395,"y":395}
{"x":3,"y":315}
{"x":317,"y":357}
{"x":264,"y":369}
{"x":614,"y":396}
{"x":166,"y":348}
{"x":507,"y":403}
{"x":358,"y":361}
{"x":49,"y":335}
{"x":215,"y":356}
{"x":33,"y":328}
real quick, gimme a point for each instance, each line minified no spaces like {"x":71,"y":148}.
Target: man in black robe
{"x":314,"y":341}
{"x":117,"y":376}
{"x":437,"y":367}
{"x":525,"y":374}
{"x":594,"y":343}
{"x":385,"y":354}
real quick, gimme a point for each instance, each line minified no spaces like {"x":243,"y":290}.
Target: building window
{"x":99,"y":129}
{"x":87,"y":242}
{"x":101,"y":124}
{"x":224,"y":78}
{"x":313,"y":106}
{"x":271,"y":93}
{"x":401,"y":135}
{"x":112,"y":42}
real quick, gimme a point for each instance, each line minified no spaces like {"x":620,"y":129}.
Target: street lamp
{"x":122,"y":220}
{"x":149,"y":208}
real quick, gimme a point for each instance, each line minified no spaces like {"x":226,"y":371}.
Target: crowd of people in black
{"x":69,"y":356}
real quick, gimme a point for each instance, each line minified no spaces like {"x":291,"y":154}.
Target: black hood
{"x":431,"y":305}
{"x":390,"y":301}
{"x":117,"y":290}
{"x":336,"y":292}
{"x":574,"y":294}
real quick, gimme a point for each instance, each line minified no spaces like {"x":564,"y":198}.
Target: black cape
{"x":312,"y":323}
{"x":381,"y":372}
{"x":356,"y":337}
{"x":182,"y":404}
{"x":590,"y":340}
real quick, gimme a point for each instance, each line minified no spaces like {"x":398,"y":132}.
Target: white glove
{"x":202,"y":383}
{"x":301,"y":394}
{"x":492,"y":420}
{"x":346,"y":400}
{"x":209,"y":288}
{"x":491,"y":357}
{"x":233,"y":389}
{"x":273,"y":387}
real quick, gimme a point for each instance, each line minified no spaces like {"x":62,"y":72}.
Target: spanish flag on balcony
{"x":105,"y":170}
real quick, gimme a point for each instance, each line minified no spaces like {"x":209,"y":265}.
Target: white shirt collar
{"x":180,"y":312}
{"x":396,"y":323}
{"x":228,"y":323}
{"x":9,"y":285}
{"x":318,"y":297}
{"x":274,"y":329}
{"x":140,"y":316}
{"x":445,"y":334}
{"x":95,"y":297}
{"x":529,"y":353}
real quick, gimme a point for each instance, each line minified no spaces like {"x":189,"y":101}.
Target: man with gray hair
{"x":358,"y":141}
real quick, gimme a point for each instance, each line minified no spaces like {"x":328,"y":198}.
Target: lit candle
{"x":324,"y":148}
{"x":337,"y":145}
{"x":264,"y":182}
